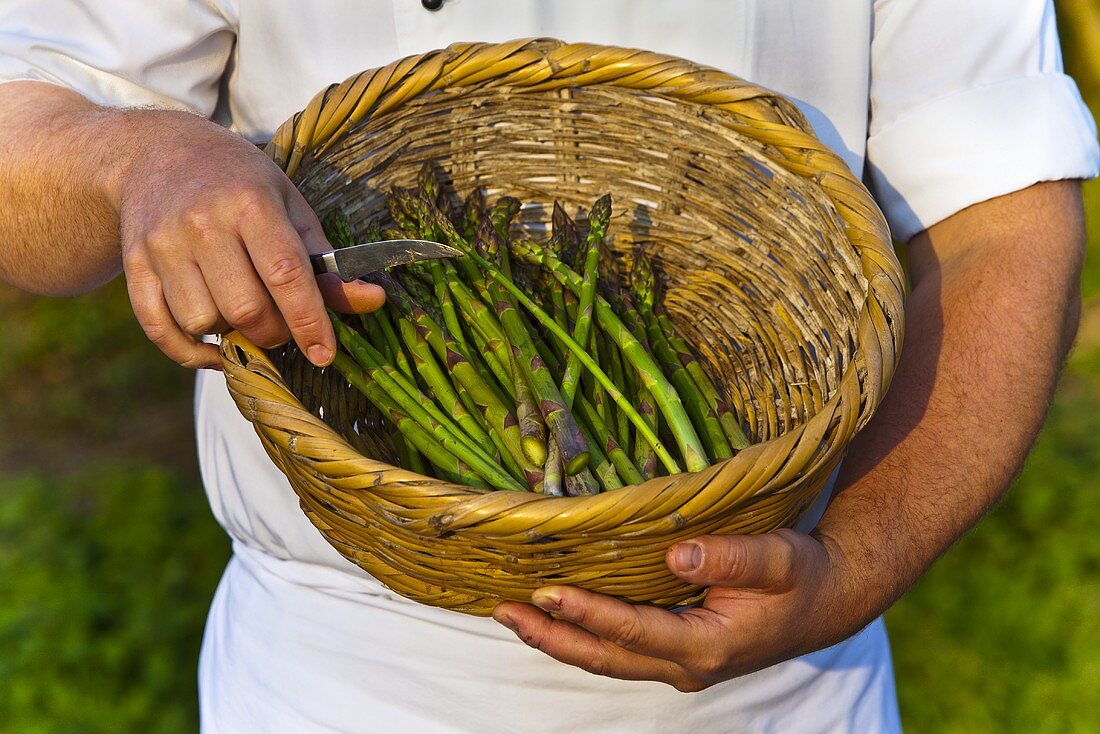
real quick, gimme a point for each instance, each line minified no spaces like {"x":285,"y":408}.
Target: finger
{"x":305,"y":220}
{"x":574,"y":645}
{"x":151,"y":310}
{"x":355,"y":297}
{"x":190,"y":302}
{"x":766,"y":561}
{"x":240,"y":296}
{"x":646,"y":630}
{"x":279,"y":256}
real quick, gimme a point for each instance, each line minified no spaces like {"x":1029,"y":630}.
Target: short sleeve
{"x":969,"y":102}
{"x":165,"y":53}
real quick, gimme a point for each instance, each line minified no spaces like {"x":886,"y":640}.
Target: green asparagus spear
{"x":726,"y":417}
{"x":500,"y":419}
{"x":644,"y":458}
{"x":422,"y":439}
{"x":532,"y":429}
{"x":598,"y":221}
{"x":552,"y":473}
{"x":560,"y":423}
{"x":624,"y":467}
{"x":703,"y":414}
{"x":420,"y":409}
{"x":648,"y":371}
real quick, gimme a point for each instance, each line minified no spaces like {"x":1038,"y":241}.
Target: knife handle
{"x":324,"y":263}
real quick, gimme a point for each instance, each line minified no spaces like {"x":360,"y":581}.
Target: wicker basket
{"x":778,"y":270}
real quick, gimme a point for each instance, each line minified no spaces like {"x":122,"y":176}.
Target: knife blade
{"x":351,"y":263}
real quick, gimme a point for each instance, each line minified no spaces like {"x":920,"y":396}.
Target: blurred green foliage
{"x":60,"y":356}
{"x":1002,"y":634}
{"x":105,"y":577}
{"x":109,"y":555}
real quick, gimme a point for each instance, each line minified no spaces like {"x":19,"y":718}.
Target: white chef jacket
{"x":938,"y":104}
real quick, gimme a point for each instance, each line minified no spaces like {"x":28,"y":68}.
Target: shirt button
{"x":432,"y":4}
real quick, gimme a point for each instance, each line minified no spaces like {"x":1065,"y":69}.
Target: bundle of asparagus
{"x":521,"y":365}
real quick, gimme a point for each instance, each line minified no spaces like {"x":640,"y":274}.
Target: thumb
{"x":766,"y":561}
{"x":357,"y":296}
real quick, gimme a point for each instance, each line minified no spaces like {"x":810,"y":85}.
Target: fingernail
{"x":319,"y":354}
{"x":546,"y":601}
{"x":687,"y":556}
{"x":507,"y":621}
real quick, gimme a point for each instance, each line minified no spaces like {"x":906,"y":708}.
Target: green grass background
{"x":109,"y":555}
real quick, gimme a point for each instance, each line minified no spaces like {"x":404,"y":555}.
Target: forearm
{"x":61,"y":163}
{"x":991,"y":316}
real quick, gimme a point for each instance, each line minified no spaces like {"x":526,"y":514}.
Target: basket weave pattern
{"x":778,"y":270}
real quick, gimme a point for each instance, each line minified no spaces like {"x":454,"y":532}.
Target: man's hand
{"x":210,"y":233}
{"x":772,"y":597}
{"x":991,"y":315}
{"x":214,"y":236}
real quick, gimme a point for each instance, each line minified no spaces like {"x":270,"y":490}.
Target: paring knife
{"x":351,"y":263}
